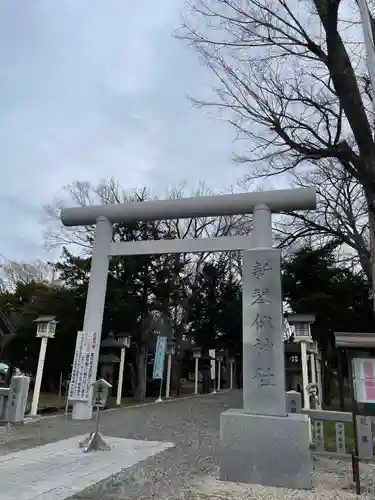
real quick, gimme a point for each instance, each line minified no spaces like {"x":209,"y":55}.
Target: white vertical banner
{"x":82,"y":369}
{"x":211,"y":354}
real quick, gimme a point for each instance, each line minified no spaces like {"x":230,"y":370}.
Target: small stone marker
{"x":17,"y":399}
{"x":340,"y":438}
{"x":364,"y":437}
{"x":293,"y":402}
{"x":318,"y":434}
{"x":95,"y":441}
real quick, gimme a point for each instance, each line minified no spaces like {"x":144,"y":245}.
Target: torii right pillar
{"x":261,"y":443}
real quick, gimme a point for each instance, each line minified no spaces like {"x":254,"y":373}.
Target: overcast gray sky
{"x":91,"y":89}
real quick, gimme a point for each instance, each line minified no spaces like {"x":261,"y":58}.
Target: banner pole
{"x":160,"y":399}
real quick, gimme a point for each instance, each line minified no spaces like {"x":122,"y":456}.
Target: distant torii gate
{"x":263,"y":382}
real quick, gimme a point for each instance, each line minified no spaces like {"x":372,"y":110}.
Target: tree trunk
{"x":140,"y":393}
{"x":326,"y":378}
{"x":133,"y":378}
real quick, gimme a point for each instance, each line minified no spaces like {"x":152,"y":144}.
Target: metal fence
{"x":332,"y":433}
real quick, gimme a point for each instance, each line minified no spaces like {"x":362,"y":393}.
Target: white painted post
{"x":196,"y":375}
{"x":340,"y":438}
{"x":212,"y":355}
{"x":67,"y":400}
{"x":368,"y":41}
{"x":305,"y":381}
{"x":120,"y":376}
{"x":366,"y":20}
{"x":305,"y":375}
{"x":39,"y":376}
{"x":319,"y":382}
{"x":168,"y":381}
{"x":313,"y":368}
{"x":60,"y":390}
{"x":214,"y":379}
{"x":318,"y":434}
{"x":95,"y":303}
{"x":231,"y":373}
{"x":219,"y":375}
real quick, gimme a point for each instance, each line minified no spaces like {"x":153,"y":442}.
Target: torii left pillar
{"x":94,"y":310}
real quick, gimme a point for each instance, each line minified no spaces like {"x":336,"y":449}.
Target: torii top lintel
{"x":283,"y":200}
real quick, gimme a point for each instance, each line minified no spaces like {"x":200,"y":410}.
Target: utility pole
{"x":368,"y":36}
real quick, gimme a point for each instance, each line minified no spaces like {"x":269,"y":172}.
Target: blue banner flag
{"x":161,"y":347}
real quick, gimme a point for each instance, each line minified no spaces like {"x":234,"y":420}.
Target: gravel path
{"x":187,"y":471}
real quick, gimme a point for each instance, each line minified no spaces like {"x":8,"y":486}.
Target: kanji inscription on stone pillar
{"x":264,"y":377}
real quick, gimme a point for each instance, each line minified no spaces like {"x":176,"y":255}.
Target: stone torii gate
{"x":260,"y":443}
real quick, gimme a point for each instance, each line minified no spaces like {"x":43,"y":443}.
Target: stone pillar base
{"x":260,"y":449}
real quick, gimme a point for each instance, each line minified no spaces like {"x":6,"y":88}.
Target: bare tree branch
{"x":291,"y":79}
{"x":13,"y":273}
{"x":341,"y":215}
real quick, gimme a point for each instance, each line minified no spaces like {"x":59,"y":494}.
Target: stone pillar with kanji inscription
{"x":263,"y":338}
{"x":262,"y":443}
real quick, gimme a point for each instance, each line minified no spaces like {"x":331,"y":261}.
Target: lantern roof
{"x":45,"y":319}
{"x":301,"y":318}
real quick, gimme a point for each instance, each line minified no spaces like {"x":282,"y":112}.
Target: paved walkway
{"x":174,"y":457}
{"x":58,"y":470}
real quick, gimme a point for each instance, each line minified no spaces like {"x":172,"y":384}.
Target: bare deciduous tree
{"x":13,"y":273}
{"x":83,"y":194}
{"x":292,"y":80}
{"x":341,"y":215}
{"x":110,"y":191}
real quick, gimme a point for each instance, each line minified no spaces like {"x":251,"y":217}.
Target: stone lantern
{"x":170,"y":351}
{"x":123,"y":341}
{"x":302,"y":334}
{"x":45,"y":329}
